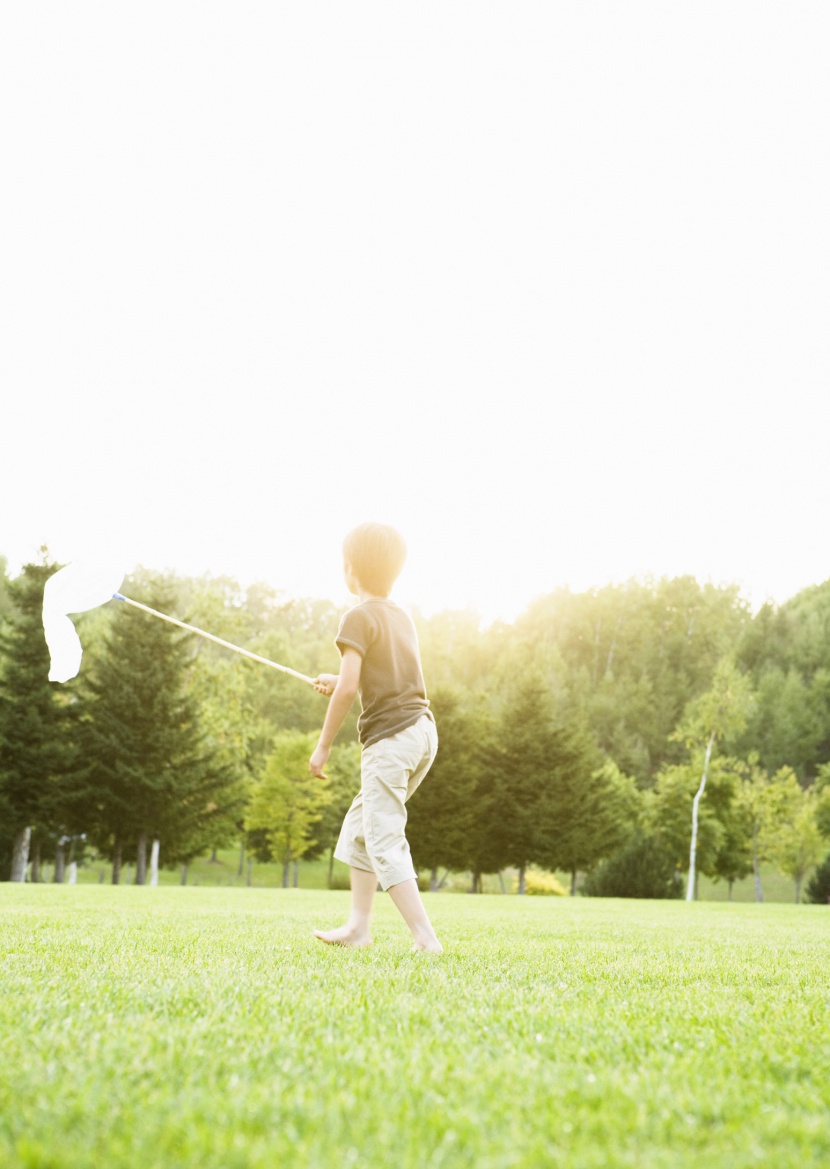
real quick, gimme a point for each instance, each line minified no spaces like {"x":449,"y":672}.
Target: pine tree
{"x":149,"y":773}
{"x":591,"y":811}
{"x":442,"y":813}
{"x":522,"y":764}
{"x":35,"y":722}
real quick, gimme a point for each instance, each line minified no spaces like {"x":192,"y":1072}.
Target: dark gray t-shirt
{"x":392,"y":691}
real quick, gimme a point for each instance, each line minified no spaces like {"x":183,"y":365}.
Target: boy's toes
{"x":342,"y":937}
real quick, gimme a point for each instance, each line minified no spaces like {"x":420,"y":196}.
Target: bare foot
{"x":428,"y":948}
{"x":345,"y":936}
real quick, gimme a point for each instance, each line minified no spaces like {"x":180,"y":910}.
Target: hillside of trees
{"x":574,"y":739}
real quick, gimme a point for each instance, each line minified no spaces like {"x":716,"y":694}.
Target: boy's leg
{"x":407,"y":898}
{"x":392,"y":773}
{"x":351,"y":849}
{"x":356,"y":931}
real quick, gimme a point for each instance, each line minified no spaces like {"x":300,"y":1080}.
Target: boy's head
{"x":375,"y":554}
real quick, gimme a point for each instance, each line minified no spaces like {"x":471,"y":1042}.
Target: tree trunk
{"x":691,"y":888}
{"x":331,"y":866}
{"x":183,"y":880}
{"x":433,"y":881}
{"x":521,"y":888}
{"x":731,"y":883}
{"x":154,"y":863}
{"x":756,"y":867}
{"x":20,"y":854}
{"x":36,"y":863}
{"x":116,"y":863}
{"x":141,"y":860}
{"x":60,"y":865}
{"x":214,"y":859}
{"x":797,"y":889}
{"x":501,"y":882}
{"x":73,"y":872}
{"x":241,"y":868}
{"x":573,"y":883}
{"x":296,"y":874}
{"x":286,"y":870}
{"x":250,"y":868}
{"x":476,"y":883}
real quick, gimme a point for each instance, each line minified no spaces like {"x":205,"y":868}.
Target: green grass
{"x":206,"y":1028}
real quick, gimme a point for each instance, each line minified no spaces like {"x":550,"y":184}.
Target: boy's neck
{"x":363,"y":595}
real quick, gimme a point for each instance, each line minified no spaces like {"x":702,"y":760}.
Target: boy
{"x":380,"y":661}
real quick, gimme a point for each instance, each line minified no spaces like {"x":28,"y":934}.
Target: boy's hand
{"x":318,"y":761}
{"x":325,"y":684}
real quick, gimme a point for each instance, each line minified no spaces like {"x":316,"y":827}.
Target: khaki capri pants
{"x":372,"y":837}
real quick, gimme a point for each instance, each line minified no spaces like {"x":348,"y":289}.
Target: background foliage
{"x":571,"y":740}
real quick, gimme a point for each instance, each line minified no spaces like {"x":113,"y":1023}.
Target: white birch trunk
{"x":690,"y":888}
{"x":73,"y":872}
{"x":154,"y":863}
{"x":20,"y":854}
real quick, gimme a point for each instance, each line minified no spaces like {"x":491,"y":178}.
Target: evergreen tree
{"x":35,"y":723}
{"x":526,"y":744}
{"x":818,"y":887}
{"x":442,"y":813}
{"x":149,"y":773}
{"x":593,"y":810}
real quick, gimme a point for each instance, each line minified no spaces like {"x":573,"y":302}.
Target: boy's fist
{"x":325,"y":683}
{"x":318,"y":761}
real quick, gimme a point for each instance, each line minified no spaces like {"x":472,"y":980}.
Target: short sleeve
{"x":356,"y":631}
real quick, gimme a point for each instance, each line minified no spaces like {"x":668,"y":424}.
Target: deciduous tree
{"x":287,"y":802}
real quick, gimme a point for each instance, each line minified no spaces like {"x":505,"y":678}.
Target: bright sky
{"x":547,"y":286}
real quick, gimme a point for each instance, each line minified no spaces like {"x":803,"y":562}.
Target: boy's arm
{"x":339,"y":706}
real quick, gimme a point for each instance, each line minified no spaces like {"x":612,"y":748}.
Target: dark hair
{"x":376,"y":553}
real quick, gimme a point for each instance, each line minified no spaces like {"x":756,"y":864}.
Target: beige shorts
{"x":372,"y":836}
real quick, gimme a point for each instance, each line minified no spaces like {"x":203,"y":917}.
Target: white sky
{"x":545,"y":285}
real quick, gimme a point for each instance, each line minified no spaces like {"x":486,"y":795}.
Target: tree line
{"x":638,"y":734}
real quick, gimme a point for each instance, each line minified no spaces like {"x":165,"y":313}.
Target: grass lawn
{"x":205,"y":1027}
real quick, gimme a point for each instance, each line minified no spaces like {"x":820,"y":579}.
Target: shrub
{"x":539,"y":883}
{"x":642,"y":868}
{"x":818,"y":887}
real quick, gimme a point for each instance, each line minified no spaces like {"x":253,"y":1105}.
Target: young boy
{"x":380,"y":661}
